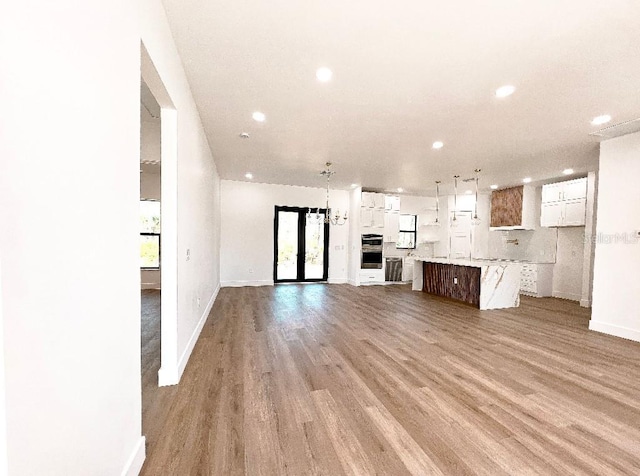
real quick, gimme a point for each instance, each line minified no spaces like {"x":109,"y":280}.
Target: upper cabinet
{"x":392,"y":202}
{"x":513,"y":208}
{"x":564,"y":203}
{"x":373,"y":200}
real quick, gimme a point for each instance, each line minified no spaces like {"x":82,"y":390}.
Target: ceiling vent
{"x":617,"y":130}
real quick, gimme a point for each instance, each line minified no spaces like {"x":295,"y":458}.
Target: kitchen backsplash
{"x":536,"y":245}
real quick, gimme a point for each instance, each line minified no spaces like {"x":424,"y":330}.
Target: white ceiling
{"x":406,"y":74}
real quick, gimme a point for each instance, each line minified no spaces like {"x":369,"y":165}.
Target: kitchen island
{"x":483,"y":283}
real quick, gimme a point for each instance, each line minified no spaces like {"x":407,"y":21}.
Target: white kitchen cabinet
{"x":366,"y":217}
{"x":536,"y":279}
{"x":552,"y":192}
{"x":373,"y":200}
{"x":575,"y":212}
{"x":378,"y":218}
{"x":391,"y":222}
{"x":392,"y":202}
{"x":371,"y":276}
{"x":407,"y":268}
{"x":564,"y":203}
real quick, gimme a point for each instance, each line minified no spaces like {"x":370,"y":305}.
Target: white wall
{"x":4,"y":467}
{"x":198,"y":197}
{"x":71,"y":299}
{"x":246,"y":252}
{"x":69,"y":192}
{"x":567,"y":272}
{"x":616,"y":282}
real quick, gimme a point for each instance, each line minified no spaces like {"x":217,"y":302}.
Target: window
{"x":149,"y":234}
{"x":407,"y":232}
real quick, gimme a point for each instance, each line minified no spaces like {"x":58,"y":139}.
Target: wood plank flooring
{"x":338,"y":380}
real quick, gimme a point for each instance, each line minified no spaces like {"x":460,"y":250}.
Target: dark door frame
{"x":302,"y":223}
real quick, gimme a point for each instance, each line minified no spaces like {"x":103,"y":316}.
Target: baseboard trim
{"x":567,"y":296}
{"x":337,"y":281}
{"x":184,"y":358}
{"x":352,"y":282}
{"x":136,"y":460}
{"x":617,"y":331}
{"x":241,"y":284}
{"x":585,"y":302}
{"x":168,"y":376}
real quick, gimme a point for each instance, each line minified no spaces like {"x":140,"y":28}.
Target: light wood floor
{"x":334,"y":379}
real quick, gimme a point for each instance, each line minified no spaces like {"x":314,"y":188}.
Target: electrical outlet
{"x":188,"y":254}
{"x":455,"y":280}
{"x":250,"y":270}
{"x":198,"y":303}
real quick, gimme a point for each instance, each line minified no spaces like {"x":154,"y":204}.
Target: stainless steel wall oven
{"x":371,"y":256}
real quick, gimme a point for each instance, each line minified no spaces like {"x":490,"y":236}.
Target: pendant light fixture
{"x":328,"y":217}
{"x":454,"y":220}
{"x":437,"y":220}
{"x":475,"y":220}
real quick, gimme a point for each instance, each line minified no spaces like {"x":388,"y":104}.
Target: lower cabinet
{"x":371,"y":276}
{"x":536,"y":279}
{"x":456,"y":282}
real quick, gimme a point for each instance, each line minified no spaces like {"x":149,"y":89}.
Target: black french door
{"x":300,"y":246}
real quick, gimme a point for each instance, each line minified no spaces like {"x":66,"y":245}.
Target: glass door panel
{"x":314,"y":249}
{"x":287,"y":267}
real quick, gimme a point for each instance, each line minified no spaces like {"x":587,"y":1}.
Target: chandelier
{"x":329,"y":217}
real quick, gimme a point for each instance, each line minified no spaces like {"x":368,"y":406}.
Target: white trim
{"x":168,"y":375}
{"x":184,"y":358}
{"x":585,"y":302}
{"x":568,"y":296}
{"x":618,"y":331}
{"x":337,"y":281}
{"x":240,"y":284}
{"x":136,"y":460}
{"x":352,"y":282}
{"x":171,"y":375}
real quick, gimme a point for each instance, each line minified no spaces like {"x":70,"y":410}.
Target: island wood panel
{"x":440,"y":279}
{"x":506,"y":206}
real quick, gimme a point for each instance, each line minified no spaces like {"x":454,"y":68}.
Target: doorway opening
{"x":150,"y":250}
{"x":301,"y":246}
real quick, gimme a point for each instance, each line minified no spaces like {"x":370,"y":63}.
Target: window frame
{"x":414,"y":232}
{"x":146,"y":233}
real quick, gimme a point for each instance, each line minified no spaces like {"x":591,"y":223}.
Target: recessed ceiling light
{"x":258,"y":116}
{"x":494,"y":187}
{"x":244,"y":135}
{"x":400,"y":189}
{"x":598,"y":121}
{"x":438,"y":145}
{"x":526,"y":179}
{"x":567,"y":171}
{"x":324,"y":74}
{"x":504,"y":91}
{"x":468,"y":192}
{"x":249,"y":175}
{"x":354,"y":185}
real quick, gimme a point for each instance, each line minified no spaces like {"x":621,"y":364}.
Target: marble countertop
{"x":474,"y":263}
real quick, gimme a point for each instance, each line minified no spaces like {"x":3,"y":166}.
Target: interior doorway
{"x":150,"y":249}
{"x":301,"y":246}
